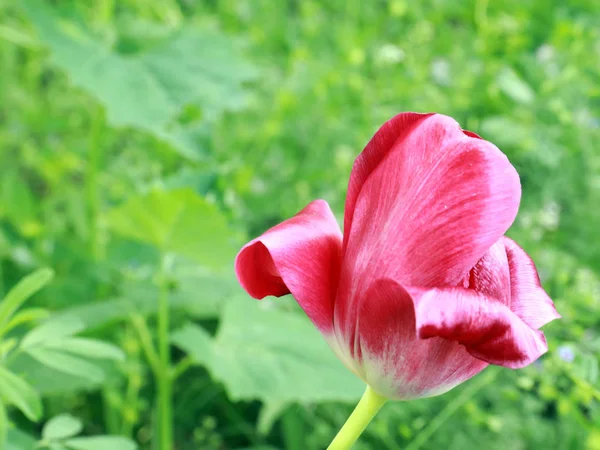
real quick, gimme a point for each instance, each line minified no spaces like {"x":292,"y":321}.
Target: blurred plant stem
{"x":160,"y":360}
{"x":164,"y":379}
{"x":432,"y":426}
{"x":368,"y":406}
{"x":293,"y":429}
{"x":92,"y":190}
{"x":104,"y":11}
{"x":111,"y":415}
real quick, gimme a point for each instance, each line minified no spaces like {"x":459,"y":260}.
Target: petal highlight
{"x":529,"y":300}
{"x":300,"y":256}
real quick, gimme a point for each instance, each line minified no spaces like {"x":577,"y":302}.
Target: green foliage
{"x":16,"y":392}
{"x":260,"y":353}
{"x":177,"y":221}
{"x":60,"y":433}
{"x":148,"y":87}
{"x":141,"y":146}
{"x":19,"y":295}
{"x":60,"y":427}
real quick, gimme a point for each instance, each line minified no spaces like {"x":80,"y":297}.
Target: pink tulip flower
{"x":422,"y":290}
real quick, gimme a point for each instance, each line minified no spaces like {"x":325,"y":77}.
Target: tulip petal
{"x":488,"y":329}
{"x":301,"y":256}
{"x":432,"y":205}
{"x":376,"y":150}
{"x":529,"y":300}
{"x":391,"y":358}
{"x":491,"y":275}
{"x":425,"y":202}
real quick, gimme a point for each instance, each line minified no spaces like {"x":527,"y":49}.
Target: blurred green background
{"x":143,"y":141}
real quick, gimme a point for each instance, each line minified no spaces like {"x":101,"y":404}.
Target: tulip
{"x":422,"y":291}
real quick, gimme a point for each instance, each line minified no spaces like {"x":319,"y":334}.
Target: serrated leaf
{"x":90,"y":348}
{"x":148,"y":89}
{"x":22,"y":291}
{"x":177,"y":221}
{"x":17,"y":392}
{"x":101,"y":443}
{"x":69,"y":364}
{"x":55,"y":328}
{"x":61,"y":427}
{"x":270,"y":355}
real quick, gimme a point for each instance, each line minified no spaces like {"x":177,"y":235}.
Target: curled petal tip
{"x":300,"y":256}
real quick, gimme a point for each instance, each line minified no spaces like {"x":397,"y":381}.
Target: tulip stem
{"x":368,"y":406}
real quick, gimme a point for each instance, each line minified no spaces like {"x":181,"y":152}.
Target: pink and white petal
{"x":427,"y":211}
{"x":301,"y":256}
{"x":488,"y":329}
{"x":529,"y":300}
{"x":390,"y":357}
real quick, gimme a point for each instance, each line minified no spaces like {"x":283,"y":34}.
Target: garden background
{"x":142,"y":142}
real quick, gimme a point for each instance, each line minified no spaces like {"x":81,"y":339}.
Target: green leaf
{"x":3,"y":425}
{"x":198,"y":294}
{"x":18,"y":203}
{"x":270,"y":355}
{"x":15,"y":391}
{"x":57,"y":446}
{"x":149,"y":88}
{"x":49,"y":381}
{"x":26,"y":316}
{"x":514,"y":86}
{"x":72,"y":365}
{"x":61,"y":427}
{"x":101,"y":443}
{"x":24,"y":289}
{"x":7,"y":345}
{"x":19,"y":440}
{"x":177,"y":221}
{"x":90,"y":348}
{"x":53,"y":329}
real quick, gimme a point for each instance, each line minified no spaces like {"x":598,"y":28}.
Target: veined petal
{"x":376,"y":150}
{"x":491,"y":275}
{"x":529,"y":300}
{"x":426,"y":201}
{"x":300,"y":256}
{"x":391,"y":357}
{"x":487,"y":328}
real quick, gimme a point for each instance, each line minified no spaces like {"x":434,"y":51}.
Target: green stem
{"x":181,"y":367}
{"x":145,"y":337}
{"x":111,"y":417}
{"x":368,"y":406}
{"x":164,"y":381}
{"x":293,"y":429}
{"x":91,"y":185}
